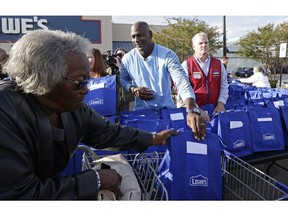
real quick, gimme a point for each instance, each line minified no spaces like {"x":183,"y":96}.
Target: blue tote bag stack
{"x":233,"y":129}
{"x":266,"y":128}
{"x":177,"y":116}
{"x":151,"y":125}
{"x":102,"y":95}
{"x":191,"y":169}
{"x":284,"y":120}
{"x":125,"y":116}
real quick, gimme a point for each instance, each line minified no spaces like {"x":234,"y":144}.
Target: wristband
{"x":194,"y":110}
{"x":98,"y":179}
{"x":153,"y":139}
{"x":135,"y":90}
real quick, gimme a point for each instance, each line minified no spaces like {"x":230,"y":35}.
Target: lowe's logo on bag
{"x":268,"y":136}
{"x":96,"y":101}
{"x":239,"y":143}
{"x":199,"y":180}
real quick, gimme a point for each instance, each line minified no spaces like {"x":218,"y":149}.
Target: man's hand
{"x":205,"y":115}
{"x":143,"y":93}
{"x":197,"y":124}
{"x":219,"y":108}
{"x":195,"y":120}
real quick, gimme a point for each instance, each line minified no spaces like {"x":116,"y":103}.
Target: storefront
{"x":98,"y":29}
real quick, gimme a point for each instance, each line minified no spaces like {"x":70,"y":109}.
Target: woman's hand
{"x":162,"y":137}
{"x":111,"y":180}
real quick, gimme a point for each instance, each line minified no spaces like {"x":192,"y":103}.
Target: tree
{"x":263,"y":45}
{"x":179,"y":32}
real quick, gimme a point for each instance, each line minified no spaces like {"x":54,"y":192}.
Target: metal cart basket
{"x":241,"y":181}
{"x":145,"y":167}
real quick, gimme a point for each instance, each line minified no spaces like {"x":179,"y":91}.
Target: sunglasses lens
{"x":82,"y":84}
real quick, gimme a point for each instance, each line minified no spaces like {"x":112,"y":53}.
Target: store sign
{"x":282,"y":53}
{"x":13,"y":27}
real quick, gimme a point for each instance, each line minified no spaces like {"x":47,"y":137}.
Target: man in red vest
{"x":207,"y":76}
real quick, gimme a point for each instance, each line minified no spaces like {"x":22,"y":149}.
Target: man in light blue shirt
{"x":148,"y":71}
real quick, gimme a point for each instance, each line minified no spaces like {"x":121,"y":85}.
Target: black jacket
{"x":30,"y":161}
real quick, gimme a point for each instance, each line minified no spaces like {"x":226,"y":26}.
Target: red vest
{"x":206,"y":88}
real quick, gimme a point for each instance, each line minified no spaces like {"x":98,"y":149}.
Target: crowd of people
{"x":44,"y":117}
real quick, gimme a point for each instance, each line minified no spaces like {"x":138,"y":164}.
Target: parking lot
{"x":284,"y":83}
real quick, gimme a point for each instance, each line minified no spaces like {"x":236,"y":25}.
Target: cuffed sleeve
{"x":87,"y":187}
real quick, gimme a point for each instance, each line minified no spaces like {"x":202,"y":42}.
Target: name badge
{"x":197,"y":75}
{"x":216,"y":73}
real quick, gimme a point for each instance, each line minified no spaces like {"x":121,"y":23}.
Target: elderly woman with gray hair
{"x":43,"y":118}
{"x":258,"y":79}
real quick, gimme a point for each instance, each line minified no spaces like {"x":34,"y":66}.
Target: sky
{"x":241,"y":16}
{"x":236,"y":26}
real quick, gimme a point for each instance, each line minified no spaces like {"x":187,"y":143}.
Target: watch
{"x":194,"y":110}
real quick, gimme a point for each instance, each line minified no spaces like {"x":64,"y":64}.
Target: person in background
{"x":97,"y":66}
{"x":119,"y":53}
{"x":3,"y":59}
{"x":207,"y":76}
{"x":43,"y":118}
{"x":147,"y":71}
{"x":258,"y":79}
{"x":225,"y":61}
{"x":125,"y":98}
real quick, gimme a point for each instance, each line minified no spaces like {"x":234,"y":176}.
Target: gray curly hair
{"x":37,"y":61}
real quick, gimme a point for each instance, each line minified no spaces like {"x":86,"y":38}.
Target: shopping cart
{"x":145,"y":167}
{"x":241,"y":181}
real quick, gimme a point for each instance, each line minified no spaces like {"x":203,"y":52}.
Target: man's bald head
{"x":141,"y":24}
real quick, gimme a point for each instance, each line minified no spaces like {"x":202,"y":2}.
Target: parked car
{"x":244,"y":72}
{"x":284,"y":69}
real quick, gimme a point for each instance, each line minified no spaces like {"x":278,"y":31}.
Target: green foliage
{"x":179,"y":32}
{"x":263,"y":44}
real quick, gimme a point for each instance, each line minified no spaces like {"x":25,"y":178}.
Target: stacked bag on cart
{"x":233,"y":129}
{"x":255,"y":129}
{"x":284,"y":118}
{"x":146,"y":119}
{"x":191,"y":169}
{"x":241,"y":94}
{"x":253,"y":124}
{"x":266,"y":128}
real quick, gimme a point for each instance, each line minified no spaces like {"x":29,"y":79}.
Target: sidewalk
{"x":284,"y":81}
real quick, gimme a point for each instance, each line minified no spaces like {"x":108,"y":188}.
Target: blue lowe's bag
{"x":151,"y":125}
{"x":233,"y":129}
{"x":191,"y":169}
{"x":266,"y":128}
{"x":177,"y":116}
{"x":125,"y":116}
{"x":284,"y":120}
{"x":209,"y":108}
{"x":102,"y":95}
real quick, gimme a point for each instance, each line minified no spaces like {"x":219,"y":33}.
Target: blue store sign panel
{"x":13,"y":27}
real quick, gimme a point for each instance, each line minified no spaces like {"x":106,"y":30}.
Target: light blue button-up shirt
{"x":156,"y":72}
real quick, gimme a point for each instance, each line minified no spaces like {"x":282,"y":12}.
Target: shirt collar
{"x":200,"y":62}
